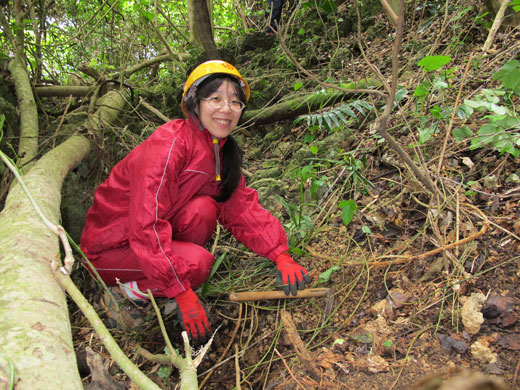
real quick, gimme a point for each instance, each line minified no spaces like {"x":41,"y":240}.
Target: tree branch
{"x":64,"y":91}
{"x":382,"y":122}
{"x":496,"y":25}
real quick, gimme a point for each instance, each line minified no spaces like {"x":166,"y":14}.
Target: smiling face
{"x":220,"y":121}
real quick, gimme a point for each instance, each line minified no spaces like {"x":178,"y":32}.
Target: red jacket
{"x":155,"y":180}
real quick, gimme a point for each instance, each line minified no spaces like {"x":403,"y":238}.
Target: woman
{"x":159,"y":206}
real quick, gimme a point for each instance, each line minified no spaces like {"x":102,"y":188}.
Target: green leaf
{"x":348,"y":208}
{"x":320,"y":120}
{"x":297,"y":85}
{"x":421,"y":91}
{"x":426,"y":133}
{"x":214,"y":269}
{"x":439,"y":84}
{"x":482,"y":105}
{"x":489,"y":130}
{"x":463,"y":111}
{"x":436,"y":111}
{"x":430,"y":63}
{"x":165,"y":371}
{"x":462,"y":133}
{"x":328,"y":121}
{"x":308,"y":138}
{"x":365,"y":229}
{"x":348,"y":111}
{"x":314,"y":149}
{"x":341,"y":116}
{"x":335,"y":119}
{"x":462,"y":13}
{"x":401,"y":94}
{"x":325,"y":276}
{"x":509,"y":75}
{"x":358,"y":106}
{"x":328,"y":6}
{"x":147,"y":15}
{"x":338,"y":341}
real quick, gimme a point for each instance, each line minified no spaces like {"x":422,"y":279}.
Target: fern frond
{"x":338,"y":116}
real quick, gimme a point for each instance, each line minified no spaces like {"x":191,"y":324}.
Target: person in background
{"x":152,"y":216}
{"x":275,"y":13}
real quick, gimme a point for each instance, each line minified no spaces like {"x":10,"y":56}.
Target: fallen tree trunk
{"x":64,"y":91}
{"x":35,"y":332}
{"x":294,"y":107}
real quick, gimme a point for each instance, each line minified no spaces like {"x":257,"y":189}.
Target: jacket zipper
{"x":217,"y":158}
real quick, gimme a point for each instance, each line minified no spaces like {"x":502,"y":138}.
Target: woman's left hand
{"x":290,"y":276}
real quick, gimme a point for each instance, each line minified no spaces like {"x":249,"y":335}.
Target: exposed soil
{"x":394,"y":319}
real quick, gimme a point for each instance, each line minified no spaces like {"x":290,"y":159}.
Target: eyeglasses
{"x":217,"y":102}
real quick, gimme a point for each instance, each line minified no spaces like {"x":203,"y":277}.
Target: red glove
{"x":193,"y":316}
{"x":290,"y":276}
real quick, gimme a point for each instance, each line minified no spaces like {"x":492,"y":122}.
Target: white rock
{"x":472,"y":318}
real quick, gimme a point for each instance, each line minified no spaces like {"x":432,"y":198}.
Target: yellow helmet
{"x":208,"y":68}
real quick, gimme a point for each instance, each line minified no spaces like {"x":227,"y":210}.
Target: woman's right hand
{"x":193,"y":316}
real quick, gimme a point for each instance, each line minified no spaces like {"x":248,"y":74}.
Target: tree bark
{"x":35,"y":331}
{"x":201,"y":28}
{"x":29,"y":129}
{"x":64,"y":91}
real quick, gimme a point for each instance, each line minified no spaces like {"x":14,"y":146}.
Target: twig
{"x":381,"y":124}
{"x":231,"y":340}
{"x":298,"y":345}
{"x":237,"y":368}
{"x":277,"y":294}
{"x":515,"y":376}
{"x":496,"y":25}
{"x":11,"y":370}
{"x":154,"y":110}
{"x":58,"y":128}
{"x":374,"y":68}
{"x":390,"y":11}
{"x":115,"y":351}
{"x":175,"y":359}
{"x":312,"y":76}
{"x":400,"y":259}
{"x":419,"y":333}
{"x":177,"y":30}
{"x":155,"y":28}
{"x":154,"y":358}
{"x":267,"y":335}
{"x":448,"y":130}
{"x":288,"y":369}
{"x":440,"y":34}
{"x":215,"y":242}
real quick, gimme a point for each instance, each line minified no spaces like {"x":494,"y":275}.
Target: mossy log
{"x":293,"y":107}
{"x":64,"y":91}
{"x":35,"y":332}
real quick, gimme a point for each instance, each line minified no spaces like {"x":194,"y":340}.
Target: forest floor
{"x":401,"y":314}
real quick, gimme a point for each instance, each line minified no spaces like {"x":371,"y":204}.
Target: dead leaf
{"x":451,"y":344}
{"x":376,"y":363}
{"x":510,"y":341}
{"x":467,"y":162}
{"x":499,"y":311}
{"x":101,"y":378}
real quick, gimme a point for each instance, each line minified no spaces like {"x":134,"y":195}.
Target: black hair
{"x":231,"y":153}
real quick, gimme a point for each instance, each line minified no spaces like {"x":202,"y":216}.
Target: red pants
{"x":192,"y":228}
